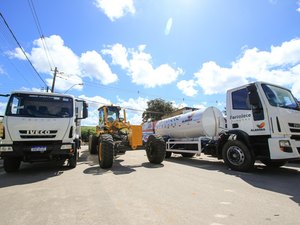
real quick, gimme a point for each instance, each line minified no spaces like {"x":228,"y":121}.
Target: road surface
{"x":180,"y":191}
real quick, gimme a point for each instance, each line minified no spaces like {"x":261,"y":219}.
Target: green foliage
{"x":156,"y":109}
{"x":86,"y":131}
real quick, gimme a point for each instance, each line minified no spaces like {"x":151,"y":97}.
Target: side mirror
{"x":85,"y":110}
{"x":253,"y":96}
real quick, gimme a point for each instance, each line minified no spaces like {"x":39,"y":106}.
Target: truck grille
{"x":34,"y":134}
{"x":294,"y":127}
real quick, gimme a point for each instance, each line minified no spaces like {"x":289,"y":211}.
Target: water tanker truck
{"x":262,"y":123}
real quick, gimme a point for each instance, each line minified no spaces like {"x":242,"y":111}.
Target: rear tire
{"x":11,"y":164}
{"x":93,"y":141}
{"x":238,"y":156}
{"x":168,"y":155}
{"x":73,"y":160}
{"x":273,"y":164}
{"x":105,"y":151}
{"x":155,"y":149}
{"x":188,"y":155}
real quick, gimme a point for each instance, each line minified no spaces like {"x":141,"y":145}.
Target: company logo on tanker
{"x":189,"y":118}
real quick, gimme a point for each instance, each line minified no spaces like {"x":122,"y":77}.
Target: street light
{"x":72,"y":87}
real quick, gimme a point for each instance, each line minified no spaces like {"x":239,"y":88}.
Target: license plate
{"x":38,"y":149}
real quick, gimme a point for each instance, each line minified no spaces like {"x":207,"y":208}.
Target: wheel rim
{"x":235,"y":155}
{"x":100,"y":151}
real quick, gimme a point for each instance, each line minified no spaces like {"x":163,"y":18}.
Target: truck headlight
{"x":285,"y":146}
{"x":6,"y":149}
{"x":67,"y":146}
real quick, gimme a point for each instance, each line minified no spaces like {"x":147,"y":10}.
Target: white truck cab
{"x":41,"y":126}
{"x":265,"y":118}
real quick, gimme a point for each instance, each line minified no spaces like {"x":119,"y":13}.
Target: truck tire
{"x":105,"y":151}
{"x":273,"y":164}
{"x":168,"y":155}
{"x":155,"y":149}
{"x":238,"y":156}
{"x":93,"y":141}
{"x":11,"y":164}
{"x":187,"y":155}
{"x":73,"y":160}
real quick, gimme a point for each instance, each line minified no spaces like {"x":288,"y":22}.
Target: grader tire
{"x":155,"y":149}
{"x":93,"y":144}
{"x":105,"y":151}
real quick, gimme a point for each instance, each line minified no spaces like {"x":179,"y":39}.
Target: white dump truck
{"x":40,"y":126}
{"x":262,"y":123}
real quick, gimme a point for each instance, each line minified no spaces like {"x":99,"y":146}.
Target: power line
{"x":6,"y":24}
{"x":40,"y":31}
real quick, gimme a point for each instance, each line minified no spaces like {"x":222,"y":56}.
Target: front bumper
{"x":38,"y":151}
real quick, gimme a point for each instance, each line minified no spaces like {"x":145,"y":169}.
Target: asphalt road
{"x":181,"y":191}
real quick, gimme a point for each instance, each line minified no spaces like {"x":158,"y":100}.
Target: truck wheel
{"x":105,"y":151}
{"x":188,"y":155}
{"x":237,"y":156}
{"x":155,"y":149}
{"x":168,"y":155}
{"x":93,"y":144}
{"x":73,"y":160}
{"x":11,"y":164}
{"x":273,"y":164}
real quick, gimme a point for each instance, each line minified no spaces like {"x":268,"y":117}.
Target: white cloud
{"x":94,"y":103}
{"x":280,"y":65}
{"x":115,"y":9}
{"x":2,"y":108}
{"x":187,"y":87}
{"x":139,"y":66}
{"x":89,"y":64}
{"x":119,"y":55}
{"x":168,"y":26}
{"x":298,"y":9}
{"x":2,"y":70}
{"x":93,"y":66}
{"x":134,"y":108}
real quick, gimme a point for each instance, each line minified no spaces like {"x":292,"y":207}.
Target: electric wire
{"x":40,"y":31}
{"x":6,"y":24}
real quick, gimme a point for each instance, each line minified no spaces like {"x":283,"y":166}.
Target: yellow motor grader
{"x":115,"y":135}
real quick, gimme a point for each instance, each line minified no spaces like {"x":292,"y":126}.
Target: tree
{"x":157,"y":108}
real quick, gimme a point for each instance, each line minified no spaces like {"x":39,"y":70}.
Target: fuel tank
{"x":204,"y":122}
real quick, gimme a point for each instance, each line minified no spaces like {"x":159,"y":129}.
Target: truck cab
{"x":266,"y":118}
{"x":40,"y":127}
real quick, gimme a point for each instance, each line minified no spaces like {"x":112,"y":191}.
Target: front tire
{"x":155,"y":149}
{"x":93,"y":141}
{"x":105,"y":151}
{"x":238,"y":156}
{"x":11,"y":164}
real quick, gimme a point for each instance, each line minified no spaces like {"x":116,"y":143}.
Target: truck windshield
{"x":280,"y":97}
{"x":42,"y":106}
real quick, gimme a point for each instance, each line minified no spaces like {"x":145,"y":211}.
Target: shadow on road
{"x":31,"y":173}
{"x":119,"y":169}
{"x":285,"y":180}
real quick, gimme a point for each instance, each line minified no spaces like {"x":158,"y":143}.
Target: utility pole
{"x":54,"y":77}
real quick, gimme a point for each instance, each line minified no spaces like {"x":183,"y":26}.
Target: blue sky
{"x":127,"y":52}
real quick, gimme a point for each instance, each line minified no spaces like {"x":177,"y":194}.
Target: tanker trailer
{"x":192,"y":132}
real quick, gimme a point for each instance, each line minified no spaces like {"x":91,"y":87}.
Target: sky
{"x":127,"y":52}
